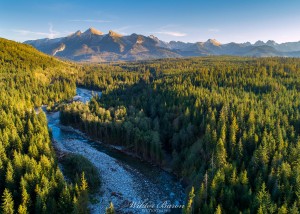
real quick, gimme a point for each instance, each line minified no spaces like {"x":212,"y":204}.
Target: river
{"x":132,"y":185}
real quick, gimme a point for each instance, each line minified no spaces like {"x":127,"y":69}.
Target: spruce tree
{"x":7,"y":202}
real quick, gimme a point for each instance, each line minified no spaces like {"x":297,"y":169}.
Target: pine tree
{"x":189,"y":206}
{"x":82,"y":196}
{"x":218,"y":210}
{"x":232,"y":135}
{"x":65,"y":200}
{"x":283,"y":209}
{"x":9,"y":178}
{"x":7,"y":202}
{"x":75,"y":205}
{"x":84,"y":184}
{"x":264,"y":201}
{"x":110,"y":209}
{"x":25,"y":200}
{"x":221,"y":154}
{"x":22,"y":210}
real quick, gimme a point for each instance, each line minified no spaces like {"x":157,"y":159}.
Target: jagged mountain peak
{"x":271,"y":43}
{"x":92,"y":46}
{"x":259,"y":43}
{"x":213,"y":42}
{"x":93,"y":31}
{"x":153,"y":37}
{"x":77,"y":33}
{"x":246,"y":44}
{"x":114,"y":34}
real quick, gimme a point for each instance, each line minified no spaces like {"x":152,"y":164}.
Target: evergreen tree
{"x":7,"y":202}
{"x":221,"y":154}
{"x":218,"y":210}
{"x":110,"y":209}
{"x":82,"y":196}
{"x":189,"y":206}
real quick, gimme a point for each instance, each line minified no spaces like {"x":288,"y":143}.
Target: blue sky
{"x":179,"y":20}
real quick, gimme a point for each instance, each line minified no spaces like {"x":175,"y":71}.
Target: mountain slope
{"x":94,"y":46}
{"x":24,"y":55}
{"x":31,"y":181}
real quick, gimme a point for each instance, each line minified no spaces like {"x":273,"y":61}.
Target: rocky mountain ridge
{"x":95,"y":46}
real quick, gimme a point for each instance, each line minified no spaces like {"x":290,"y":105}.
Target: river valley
{"x":132,"y":185}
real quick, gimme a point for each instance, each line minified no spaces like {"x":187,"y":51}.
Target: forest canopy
{"x":228,"y":125}
{"x":30,"y":180}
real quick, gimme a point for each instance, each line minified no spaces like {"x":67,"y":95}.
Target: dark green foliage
{"x":81,"y":202}
{"x":74,"y":165}
{"x":106,"y":77}
{"x":30,"y":180}
{"x":229,"y":126}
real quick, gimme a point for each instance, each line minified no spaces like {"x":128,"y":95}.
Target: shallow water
{"x":132,"y":185}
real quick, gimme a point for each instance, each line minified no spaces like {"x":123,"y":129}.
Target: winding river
{"x":133,"y":186}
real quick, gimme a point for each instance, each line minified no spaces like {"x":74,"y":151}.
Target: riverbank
{"x":125,"y":180}
{"x":111,"y":173}
{"x":122,"y":150}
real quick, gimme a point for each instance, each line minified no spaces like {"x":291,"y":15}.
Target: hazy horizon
{"x":187,"y":21}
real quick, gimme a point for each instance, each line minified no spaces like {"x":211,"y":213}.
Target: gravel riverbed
{"x":132,"y":186}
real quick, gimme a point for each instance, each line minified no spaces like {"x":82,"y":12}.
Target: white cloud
{"x":28,"y":32}
{"x":170,"y":30}
{"x":89,"y":20}
{"x":172,"y":33}
{"x":51,"y":34}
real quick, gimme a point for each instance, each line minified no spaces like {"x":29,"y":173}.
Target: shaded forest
{"x":229,"y":126}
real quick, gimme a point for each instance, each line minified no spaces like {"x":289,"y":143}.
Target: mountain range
{"x":95,"y":46}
